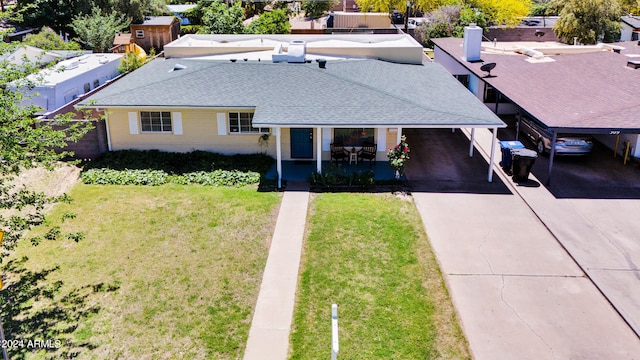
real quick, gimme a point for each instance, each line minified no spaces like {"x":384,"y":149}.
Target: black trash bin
{"x":505,"y":147}
{"x":521,"y":163}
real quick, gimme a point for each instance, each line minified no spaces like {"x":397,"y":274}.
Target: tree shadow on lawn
{"x":37,"y":316}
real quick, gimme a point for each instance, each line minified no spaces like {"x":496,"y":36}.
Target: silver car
{"x":566,"y":144}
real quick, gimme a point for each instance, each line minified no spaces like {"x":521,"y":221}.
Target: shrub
{"x":181,"y":163}
{"x":124,"y":177}
{"x":335,"y":176}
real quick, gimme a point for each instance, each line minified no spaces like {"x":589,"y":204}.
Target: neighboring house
{"x":629,"y":28}
{"x":71,"y":78}
{"x":155,"y":32}
{"x":180,"y":11}
{"x":223,"y":92}
{"x":34,"y":55}
{"x":569,"y":89}
{"x":535,"y":28}
{"x":94,"y":143}
{"x":120,"y":43}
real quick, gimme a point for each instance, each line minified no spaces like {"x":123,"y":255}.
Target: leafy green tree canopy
{"x":47,"y":39}
{"x":448,"y":21}
{"x":503,"y":12}
{"x":218,"y":18}
{"x":97,"y":31}
{"x":630,"y":6}
{"x":315,"y":9}
{"x":26,"y":142}
{"x":590,"y":21}
{"x":272,"y":22}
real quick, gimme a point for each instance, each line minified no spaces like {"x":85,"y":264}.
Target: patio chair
{"x":368,"y":152}
{"x":338,"y":152}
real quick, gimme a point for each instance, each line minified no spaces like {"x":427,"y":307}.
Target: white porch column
{"x":399,"y":136}
{"x":276,"y":132}
{"x":493,"y":151}
{"x":319,"y":150}
{"x":473,"y":133}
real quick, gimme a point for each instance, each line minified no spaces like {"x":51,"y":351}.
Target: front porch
{"x":301,"y":170}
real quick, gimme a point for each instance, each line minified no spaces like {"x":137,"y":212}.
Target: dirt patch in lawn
{"x":52,"y":182}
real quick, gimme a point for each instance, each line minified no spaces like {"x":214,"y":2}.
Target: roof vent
{"x":177,"y":67}
{"x":634,"y":64}
{"x":322,"y":63}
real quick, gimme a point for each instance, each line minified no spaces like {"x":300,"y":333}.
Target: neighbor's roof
{"x":346,"y":92}
{"x":157,"y":20}
{"x":584,"y":92}
{"x":122,"y":39}
{"x":632,"y":21}
{"x":181,"y":8}
{"x":74,"y":67}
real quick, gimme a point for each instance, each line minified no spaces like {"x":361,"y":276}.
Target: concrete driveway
{"x":532,"y":275}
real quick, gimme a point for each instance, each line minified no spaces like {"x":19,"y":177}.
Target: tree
{"x":503,"y":12}
{"x":589,"y":21}
{"x":448,"y":21}
{"x":98,"y":30}
{"x":56,"y":14}
{"x":630,"y":6}
{"x":47,"y":39}
{"x":132,"y":61}
{"x":136,"y":10}
{"x":273,"y":22}
{"x":218,"y":18}
{"x":25,"y":143}
{"x":315,"y":9}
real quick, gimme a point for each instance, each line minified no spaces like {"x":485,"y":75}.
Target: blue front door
{"x":302,"y":143}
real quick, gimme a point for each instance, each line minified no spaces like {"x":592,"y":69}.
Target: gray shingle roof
{"x":346,"y":93}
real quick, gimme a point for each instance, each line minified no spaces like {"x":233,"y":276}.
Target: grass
{"x":369,"y":254}
{"x":163,"y":272}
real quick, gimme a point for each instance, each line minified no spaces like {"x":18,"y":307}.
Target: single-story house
{"x":34,"y":55}
{"x":71,"y":78}
{"x":223,"y":92}
{"x":155,"y":32}
{"x":629,"y":28}
{"x":567,"y":88}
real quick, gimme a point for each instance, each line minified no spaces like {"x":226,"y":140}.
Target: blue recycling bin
{"x":505,"y":147}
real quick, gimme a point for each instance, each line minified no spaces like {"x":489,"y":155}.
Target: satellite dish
{"x":539,"y":33}
{"x":488,"y":67}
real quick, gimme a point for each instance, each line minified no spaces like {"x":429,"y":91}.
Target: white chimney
{"x":296,"y":51}
{"x":472,"y":43}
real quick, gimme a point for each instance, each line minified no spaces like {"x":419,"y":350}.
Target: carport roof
{"x":345,"y":93}
{"x":590,"y":92}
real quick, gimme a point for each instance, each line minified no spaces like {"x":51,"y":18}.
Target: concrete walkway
{"x":269,"y":333}
{"x":531,"y":276}
{"x":518,"y":293}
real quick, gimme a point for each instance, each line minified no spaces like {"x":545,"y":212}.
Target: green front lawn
{"x":163,"y":272}
{"x":369,"y":254}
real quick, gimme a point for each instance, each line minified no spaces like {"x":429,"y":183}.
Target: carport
{"x":617,"y":132}
{"x":568,"y":89}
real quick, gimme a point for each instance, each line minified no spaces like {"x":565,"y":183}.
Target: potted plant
{"x":398,"y":156}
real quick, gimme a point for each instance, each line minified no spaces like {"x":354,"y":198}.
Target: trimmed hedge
{"x":133,"y":167}
{"x":159,"y":177}
{"x":181,"y":163}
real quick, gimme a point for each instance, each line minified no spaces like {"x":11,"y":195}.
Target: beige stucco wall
{"x":200,"y":131}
